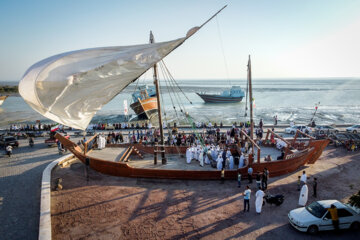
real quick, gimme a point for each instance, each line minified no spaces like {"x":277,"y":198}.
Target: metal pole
{"x":251,"y":105}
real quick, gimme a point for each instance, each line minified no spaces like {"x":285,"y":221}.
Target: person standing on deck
{"x":201,"y":157}
{"x":188,"y":155}
{"x":224,"y":157}
{"x":241,"y":160}
{"x":231,"y":162}
{"x":219,"y":161}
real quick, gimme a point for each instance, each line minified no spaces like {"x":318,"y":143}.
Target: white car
{"x":353,"y":129}
{"x":315,"y":217}
{"x":302,"y":128}
{"x":326,"y":129}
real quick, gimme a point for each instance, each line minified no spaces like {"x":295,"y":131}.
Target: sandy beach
{"x":127,"y":208}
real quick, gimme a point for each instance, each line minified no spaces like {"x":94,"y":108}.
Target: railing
{"x":89,"y":144}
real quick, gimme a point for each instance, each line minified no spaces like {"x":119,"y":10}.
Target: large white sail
{"x":71,"y":87}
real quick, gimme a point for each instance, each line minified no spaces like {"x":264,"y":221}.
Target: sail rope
{"x":164,"y":109}
{"x":168,"y":89}
{"x":173,"y":79}
{"x":172,"y":88}
{"x":222,"y":50}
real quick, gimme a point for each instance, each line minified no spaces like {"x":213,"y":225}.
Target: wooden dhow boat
{"x":71,"y":87}
{"x":297,"y":152}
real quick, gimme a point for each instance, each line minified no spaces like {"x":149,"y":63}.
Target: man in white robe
{"x":303,"y":195}
{"x":259,"y":200}
{"x":303,"y":178}
{"x":197,"y":153}
{"x":188,"y":155}
{"x":231,"y":162}
{"x":206,"y":158}
{"x":201,"y":157}
{"x":193,"y":153}
{"x":228,"y":153}
{"x":241,"y":161}
{"x":213,"y":153}
{"x":219,"y":161}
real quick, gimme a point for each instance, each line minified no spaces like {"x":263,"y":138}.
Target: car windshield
{"x":316,"y":209}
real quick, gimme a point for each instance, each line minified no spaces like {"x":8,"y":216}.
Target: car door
{"x":345,"y":218}
{"x":326,"y":222}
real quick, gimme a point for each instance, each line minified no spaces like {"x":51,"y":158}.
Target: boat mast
{"x":251,"y":104}
{"x":156,"y":83}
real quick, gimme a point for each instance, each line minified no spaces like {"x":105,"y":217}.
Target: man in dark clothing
{"x":315,"y":187}
{"x":224,"y":158}
{"x":265,"y":178}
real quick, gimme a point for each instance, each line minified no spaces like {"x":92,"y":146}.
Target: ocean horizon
{"x":292,"y":99}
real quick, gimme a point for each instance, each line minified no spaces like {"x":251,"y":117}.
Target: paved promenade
{"x":20,"y":179}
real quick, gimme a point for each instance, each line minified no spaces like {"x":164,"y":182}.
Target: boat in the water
{"x":232,"y":95}
{"x":144,"y":102}
{"x":3,"y":98}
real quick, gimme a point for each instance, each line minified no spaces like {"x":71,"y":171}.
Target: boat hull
{"x":2,"y":99}
{"x":145,"y":109}
{"x":211,"y":98}
{"x":276,"y":168}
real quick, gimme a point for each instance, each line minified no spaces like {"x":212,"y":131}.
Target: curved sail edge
{"x":71,"y":87}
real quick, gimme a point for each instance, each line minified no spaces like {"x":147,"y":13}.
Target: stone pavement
{"x":20,"y":181}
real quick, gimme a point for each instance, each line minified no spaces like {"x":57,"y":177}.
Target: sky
{"x":286,"y":39}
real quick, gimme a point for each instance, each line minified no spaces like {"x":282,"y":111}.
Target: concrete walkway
{"x":20,"y":181}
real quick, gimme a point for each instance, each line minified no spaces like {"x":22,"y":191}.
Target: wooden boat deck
{"x":174,"y":161}
{"x":274,"y":153}
{"x":108,"y":154}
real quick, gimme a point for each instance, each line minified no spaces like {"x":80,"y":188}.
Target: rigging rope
{"x":172,"y":84}
{"x":173,"y":79}
{"x":172,"y":102}
{"x":222,"y":50}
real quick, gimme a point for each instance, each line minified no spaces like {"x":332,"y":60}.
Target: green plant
{"x":355,"y":200}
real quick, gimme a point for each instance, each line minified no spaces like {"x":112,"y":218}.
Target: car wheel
{"x":313,"y":229}
{"x":354,"y":131}
{"x":336,"y":131}
{"x":321,"y":132}
{"x":292,"y":132}
{"x":355,"y":226}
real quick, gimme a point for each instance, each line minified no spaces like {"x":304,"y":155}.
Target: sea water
{"x":289,"y":99}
